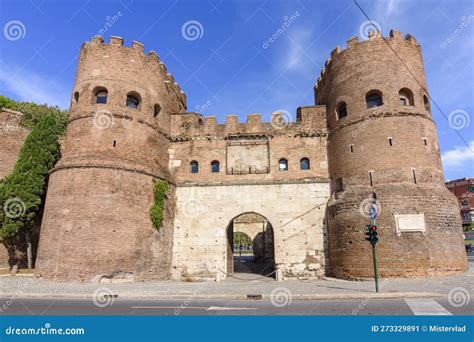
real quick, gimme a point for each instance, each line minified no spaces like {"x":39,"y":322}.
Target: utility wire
{"x":417,"y":81}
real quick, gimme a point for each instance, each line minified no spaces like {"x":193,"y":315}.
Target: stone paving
{"x":21,"y":286}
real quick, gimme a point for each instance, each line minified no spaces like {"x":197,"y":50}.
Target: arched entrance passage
{"x":250,"y":247}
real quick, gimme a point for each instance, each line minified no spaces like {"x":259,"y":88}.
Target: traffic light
{"x":371,"y":233}
{"x":368,"y":233}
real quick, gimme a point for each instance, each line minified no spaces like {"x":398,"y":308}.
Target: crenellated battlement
{"x":152,"y":56}
{"x":354,"y":44}
{"x":191,"y":125}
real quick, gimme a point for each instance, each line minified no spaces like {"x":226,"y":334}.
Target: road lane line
{"x":169,"y":307}
{"x":211,"y":308}
{"x":426,"y":306}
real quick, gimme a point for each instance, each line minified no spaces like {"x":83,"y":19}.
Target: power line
{"x":417,"y":81}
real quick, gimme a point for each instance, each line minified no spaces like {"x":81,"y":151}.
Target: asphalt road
{"x":409,"y":306}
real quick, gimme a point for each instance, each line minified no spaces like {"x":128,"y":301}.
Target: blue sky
{"x":227,"y":68}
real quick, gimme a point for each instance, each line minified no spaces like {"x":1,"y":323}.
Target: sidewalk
{"x":328,"y":288}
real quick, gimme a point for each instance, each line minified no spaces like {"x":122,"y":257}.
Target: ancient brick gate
{"x":203,"y":213}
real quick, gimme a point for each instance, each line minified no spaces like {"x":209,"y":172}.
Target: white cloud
{"x":296,"y":58}
{"x":387,"y":8}
{"x":459,"y":159}
{"x":27,"y":85}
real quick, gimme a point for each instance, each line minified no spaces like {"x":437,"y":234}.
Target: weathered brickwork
{"x":392,"y":150}
{"x":12,"y":136}
{"x":309,"y":178}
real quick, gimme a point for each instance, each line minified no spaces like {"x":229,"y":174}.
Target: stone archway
{"x":250,"y":246}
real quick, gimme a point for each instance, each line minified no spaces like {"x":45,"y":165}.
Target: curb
{"x":368,"y":295}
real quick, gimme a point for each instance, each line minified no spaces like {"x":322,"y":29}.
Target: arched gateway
{"x":208,"y":216}
{"x":250,"y":247}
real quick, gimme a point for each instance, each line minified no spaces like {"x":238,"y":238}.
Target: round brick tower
{"x":382,"y":139}
{"x":96,"y":221}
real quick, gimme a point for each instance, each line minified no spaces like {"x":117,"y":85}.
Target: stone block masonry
{"x":296,"y":211}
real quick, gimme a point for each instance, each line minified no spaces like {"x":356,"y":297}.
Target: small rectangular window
{"x":351,"y":148}
{"x":115,"y":143}
{"x":425,"y":141}
{"x":390,"y":141}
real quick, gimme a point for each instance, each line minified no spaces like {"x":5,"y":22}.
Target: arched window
{"x":373,"y":99}
{"x":133,"y":100}
{"x":304,"y":164}
{"x":341,"y":110}
{"x":283,"y":164}
{"x":215,"y":166}
{"x":194,"y":165}
{"x":426,"y":102}
{"x":100,"y":95}
{"x":76,"y":97}
{"x":156,"y":110}
{"x":406,"y":97}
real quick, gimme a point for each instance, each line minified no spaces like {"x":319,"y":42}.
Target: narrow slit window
{"x":414,"y":175}
{"x":390,"y":141}
{"x":371,"y":181}
{"x":425,"y":141}
{"x":351,"y":147}
{"x":115,"y":143}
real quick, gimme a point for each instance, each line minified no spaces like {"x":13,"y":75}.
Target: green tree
{"x":32,"y":112}
{"x":22,"y":191}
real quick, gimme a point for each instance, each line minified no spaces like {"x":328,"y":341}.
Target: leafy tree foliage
{"x":22,"y":191}
{"x":33,"y":113}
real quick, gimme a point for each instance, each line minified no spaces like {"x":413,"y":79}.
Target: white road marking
{"x":426,"y":306}
{"x":211,"y":308}
{"x":169,"y":307}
